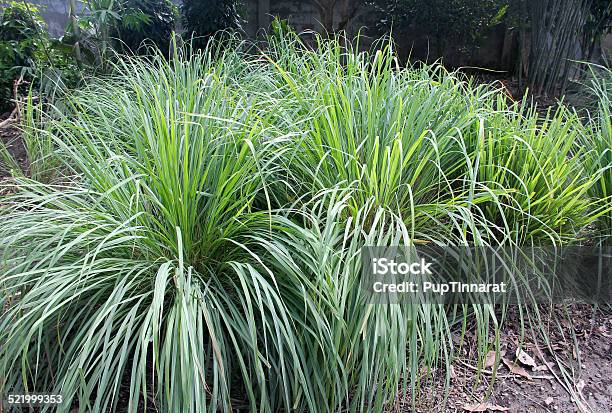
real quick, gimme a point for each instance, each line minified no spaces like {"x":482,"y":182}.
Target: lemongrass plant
{"x":597,"y":144}
{"x":432,"y":146}
{"x":201,"y":248}
{"x":41,"y":163}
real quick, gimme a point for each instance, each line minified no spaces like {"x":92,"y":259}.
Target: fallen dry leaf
{"x":483,"y":407}
{"x":604,"y":332}
{"x":525,"y":358}
{"x":516,"y":369}
{"x":491,"y":358}
{"x":538,"y":352}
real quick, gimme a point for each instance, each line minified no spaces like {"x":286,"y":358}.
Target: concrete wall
{"x":55,"y":13}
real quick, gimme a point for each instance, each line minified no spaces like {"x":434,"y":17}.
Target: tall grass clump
{"x":459,"y":161}
{"x":151,"y":250}
{"x":161,"y":266}
{"x":200,"y":246}
{"x":598,"y":143}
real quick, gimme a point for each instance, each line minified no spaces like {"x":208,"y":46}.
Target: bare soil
{"x":580,"y":340}
{"x":10,"y":137}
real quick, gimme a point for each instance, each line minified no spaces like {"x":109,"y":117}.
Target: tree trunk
{"x":349,"y":12}
{"x":326,"y":14}
{"x":556,"y":29}
{"x":76,"y":31}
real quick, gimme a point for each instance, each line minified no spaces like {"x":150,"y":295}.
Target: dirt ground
{"x":580,"y":341}
{"x":9,"y":135}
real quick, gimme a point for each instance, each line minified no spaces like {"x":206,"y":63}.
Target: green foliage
{"x":597,"y":24}
{"x":598,"y":143}
{"x":23,"y":38}
{"x":458,"y":22}
{"x":91,"y":31}
{"x":20,"y":21}
{"x":27,"y":51}
{"x":147,"y":20}
{"x":201,"y":247}
{"x":280,"y":28}
{"x":107,"y":26}
{"x":203,"y":18}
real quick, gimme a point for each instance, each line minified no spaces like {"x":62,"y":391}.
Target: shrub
{"x":146,"y":20}
{"x":105,"y":26}
{"x":23,"y":37}
{"x":203,"y":18}
{"x":34,"y":69}
{"x":463,"y":21}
